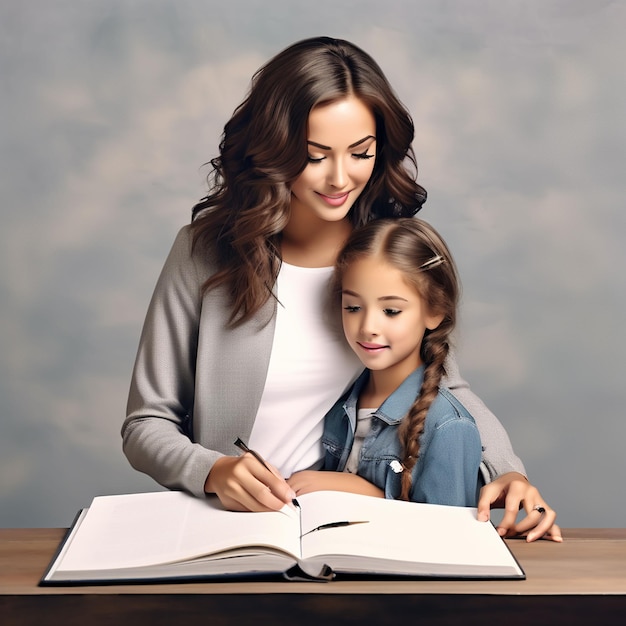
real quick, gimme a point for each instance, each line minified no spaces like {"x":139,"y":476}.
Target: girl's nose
{"x":368,"y":325}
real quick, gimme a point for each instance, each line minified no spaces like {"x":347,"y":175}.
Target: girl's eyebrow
{"x":350,"y":147}
{"x":347,"y":292}
{"x":393,"y":298}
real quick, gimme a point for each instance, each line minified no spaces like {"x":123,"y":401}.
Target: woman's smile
{"x":335,"y":199}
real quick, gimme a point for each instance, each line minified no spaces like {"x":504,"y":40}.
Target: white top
{"x":301,"y":386}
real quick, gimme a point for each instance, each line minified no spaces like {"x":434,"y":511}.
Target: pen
{"x":242,"y":446}
{"x":335,"y":525}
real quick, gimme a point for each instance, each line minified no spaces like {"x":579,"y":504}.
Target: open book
{"x":173,"y":536}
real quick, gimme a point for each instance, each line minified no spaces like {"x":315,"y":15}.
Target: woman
{"x":237,"y":340}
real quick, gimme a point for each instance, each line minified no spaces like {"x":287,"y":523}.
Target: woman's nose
{"x":338,"y":177}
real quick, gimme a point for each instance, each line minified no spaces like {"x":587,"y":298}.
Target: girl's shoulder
{"x":445,"y":408}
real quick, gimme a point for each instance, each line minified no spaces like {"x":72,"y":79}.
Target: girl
{"x":235,"y":341}
{"x":398,"y":427}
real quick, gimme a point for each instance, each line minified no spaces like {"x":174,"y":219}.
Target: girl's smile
{"x":371,"y":347}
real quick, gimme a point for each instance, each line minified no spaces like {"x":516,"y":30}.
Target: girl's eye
{"x":363,"y":155}
{"x":391,"y":312}
{"x":351,"y":308}
{"x":315,"y":160}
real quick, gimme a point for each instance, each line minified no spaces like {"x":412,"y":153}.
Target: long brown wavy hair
{"x":418,"y":251}
{"x":263,"y":150}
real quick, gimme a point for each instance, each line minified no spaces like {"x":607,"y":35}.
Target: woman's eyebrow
{"x":350,"y":147}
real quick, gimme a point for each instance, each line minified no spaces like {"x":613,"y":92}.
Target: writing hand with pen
{"x":248,"y":483}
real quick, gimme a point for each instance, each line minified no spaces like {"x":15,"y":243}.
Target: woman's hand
{"x":242,"y":483}
{"x":309,"y":480}
{"x":512,"y":491}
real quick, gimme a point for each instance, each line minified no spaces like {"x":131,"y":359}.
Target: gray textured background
{"x":108,"y":111}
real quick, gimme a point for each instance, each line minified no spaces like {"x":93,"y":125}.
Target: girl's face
{"x":342,"y":151}
{"x":384,"y":317}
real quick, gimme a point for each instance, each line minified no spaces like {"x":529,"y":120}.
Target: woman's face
{"x":341,"y":142}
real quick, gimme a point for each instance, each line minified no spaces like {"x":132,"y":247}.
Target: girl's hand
{"x":243,"y":484}
{"x":308,"y":481}
{"x":512,"y":491}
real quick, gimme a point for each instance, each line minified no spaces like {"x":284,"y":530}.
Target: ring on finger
{"x":539,"y":509}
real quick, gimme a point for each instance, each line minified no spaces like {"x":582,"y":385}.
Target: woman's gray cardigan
{"x":196,"y":385}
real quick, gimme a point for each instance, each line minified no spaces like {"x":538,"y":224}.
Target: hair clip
{"x":434,"y":262}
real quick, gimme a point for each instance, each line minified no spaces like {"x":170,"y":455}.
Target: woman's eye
{"x":315,"y":159}
{"x":363,"y":155}
{"x":351,"y":308}
{"x":391,"y":312}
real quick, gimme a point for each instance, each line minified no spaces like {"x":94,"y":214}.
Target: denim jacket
{"x":447,"y":469}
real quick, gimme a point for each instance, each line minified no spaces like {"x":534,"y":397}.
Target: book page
{"x":399,"y":531}
{"x":136,"y":530}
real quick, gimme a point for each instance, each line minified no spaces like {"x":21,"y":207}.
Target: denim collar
{"x":397,"y":405}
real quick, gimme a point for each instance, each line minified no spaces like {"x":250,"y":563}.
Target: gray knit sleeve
{"x":156,"y":433}
{"x":498,"y":455}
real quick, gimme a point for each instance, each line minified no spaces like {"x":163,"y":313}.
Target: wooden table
{"x":582,"y":580}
